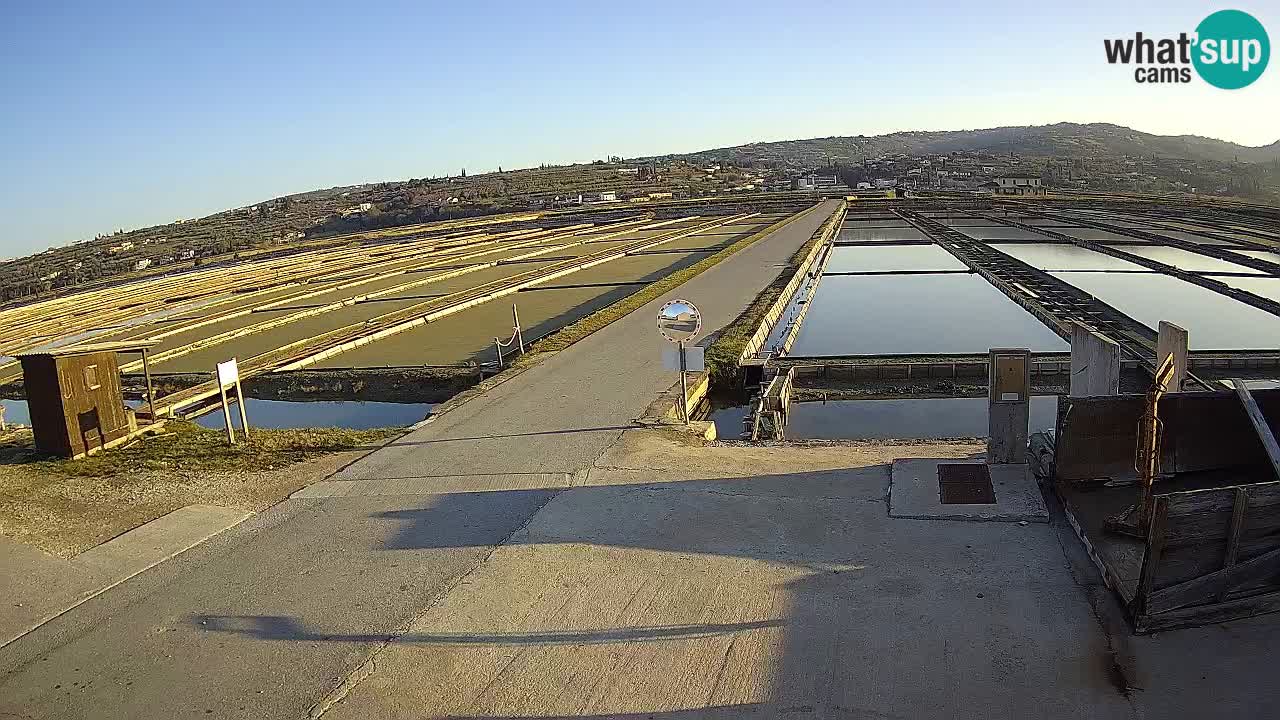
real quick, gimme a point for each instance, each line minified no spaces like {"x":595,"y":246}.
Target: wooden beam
{"x":1260,"y":425}
{"x":1233,"y":533}
{"x":1200,"y":615}
{"x":1151,"y":558}
{"x":1172,"y":342}
{"x":1213,"y":584}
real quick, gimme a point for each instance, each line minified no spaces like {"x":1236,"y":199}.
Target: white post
{"x":244,"y":419}
{"x":515,"y":316}
{"x":1095,"y":363}
{"x":1173,"y":341}
{"x":151,"y":392}
{"x":226,"y":414}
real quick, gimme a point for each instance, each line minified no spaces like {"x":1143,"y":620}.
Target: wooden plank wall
{"x":1202,"y":431}
{"x":1211,"y":554}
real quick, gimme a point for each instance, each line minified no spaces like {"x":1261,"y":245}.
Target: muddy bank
{"x":428,"y":385}
{"x":810,"y":388}
{"x":403,"y":385}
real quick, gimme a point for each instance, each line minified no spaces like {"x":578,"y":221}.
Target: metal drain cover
{"x":965,"y":484}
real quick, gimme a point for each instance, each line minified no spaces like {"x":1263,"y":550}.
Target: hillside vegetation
{"x":1095,"y":157}
{"x":1063,"y":139}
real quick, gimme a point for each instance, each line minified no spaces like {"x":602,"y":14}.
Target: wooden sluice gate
{"x":768,"y":419}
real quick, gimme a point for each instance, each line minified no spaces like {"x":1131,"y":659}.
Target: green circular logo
{"x":1232,"y":49}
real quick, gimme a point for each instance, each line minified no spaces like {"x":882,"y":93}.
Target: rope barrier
{"x":517,"y":337}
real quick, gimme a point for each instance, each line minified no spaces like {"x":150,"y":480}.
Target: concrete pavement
{"x":724,"y":582}
{"x":662,"y":594}
{"x":37,"y":586}
{"x":362,"y":567}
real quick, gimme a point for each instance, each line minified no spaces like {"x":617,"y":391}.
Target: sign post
{"x":228,"y":374}
{"x":515,"y":318}
{"x":680,"y":321}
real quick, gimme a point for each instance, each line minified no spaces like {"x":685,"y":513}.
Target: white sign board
{"x":694,"y":359}
{"x":228,"y":373}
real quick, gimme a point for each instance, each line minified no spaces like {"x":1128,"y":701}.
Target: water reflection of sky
{"x":919,"y":315}
{"x":349,"y":414}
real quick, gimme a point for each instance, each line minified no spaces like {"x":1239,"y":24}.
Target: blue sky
{"x":122,"y":115}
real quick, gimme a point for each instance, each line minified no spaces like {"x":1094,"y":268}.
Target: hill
{"x":1062,"y":139}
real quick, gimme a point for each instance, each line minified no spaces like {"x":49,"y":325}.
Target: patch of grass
{"x":723,"y":355}
{"x":185,"y":446}
{"x":68,"y":506}
{"x":601,"y":318}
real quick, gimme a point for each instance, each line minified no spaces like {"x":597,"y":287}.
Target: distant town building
{"x":1018,"y":185}
{"x":659,"y":196}
{"x":608,"y":196}
{"x":362,"y":207}
{"x":142,"y":264}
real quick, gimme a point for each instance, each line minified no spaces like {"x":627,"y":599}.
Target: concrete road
{"x":682,"y":581}
{"x":361,"y":568}
{"x":672,"y":592}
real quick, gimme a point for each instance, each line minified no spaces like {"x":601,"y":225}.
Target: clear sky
{"x":122,"y":115}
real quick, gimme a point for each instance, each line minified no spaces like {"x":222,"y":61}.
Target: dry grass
{"x":67,"y":506}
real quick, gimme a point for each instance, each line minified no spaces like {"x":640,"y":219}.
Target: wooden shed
{"x":75,"y":399}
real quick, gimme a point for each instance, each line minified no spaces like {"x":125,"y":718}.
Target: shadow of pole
{"x":289,"y":629}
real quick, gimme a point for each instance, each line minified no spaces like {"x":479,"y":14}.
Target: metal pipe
{"x":684,"y":386}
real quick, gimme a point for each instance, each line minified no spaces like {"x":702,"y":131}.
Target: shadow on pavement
{"x":277,"y":627}
{"x":870,"y":613}
{"x":569,"y":431}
